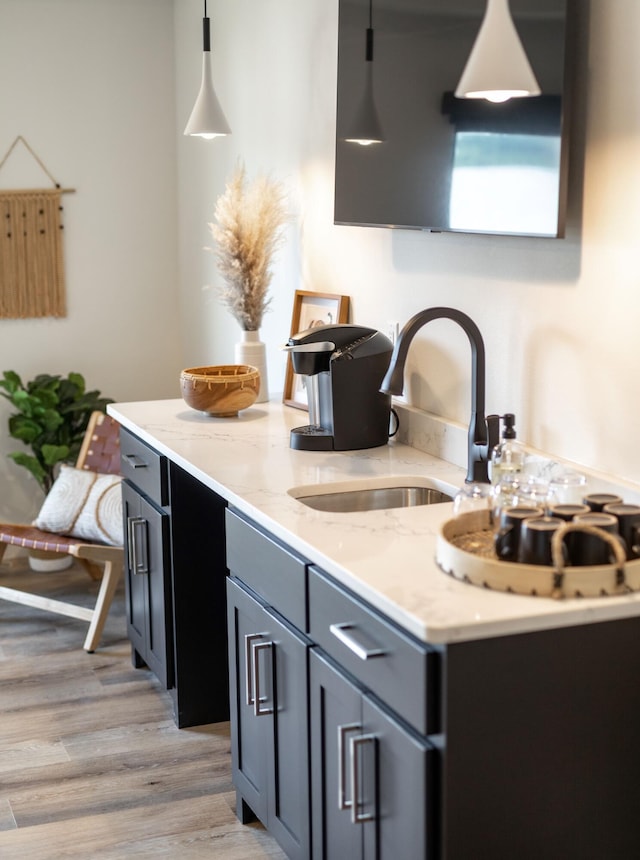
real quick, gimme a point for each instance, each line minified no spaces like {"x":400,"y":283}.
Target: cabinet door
{"x":371,"y":776}
{"x":148,"y":596}
{"x":289,"y":807}
{"x":336,"y":717}
{"x":405,"y":765}
{"x":246,"y":621}
{"x":135,"y":585}
{"x":269,"y":719}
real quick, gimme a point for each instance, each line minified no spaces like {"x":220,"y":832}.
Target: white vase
{"x":251,"y":350}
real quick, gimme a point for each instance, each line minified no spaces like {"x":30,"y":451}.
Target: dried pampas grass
{"x":250,"y":217}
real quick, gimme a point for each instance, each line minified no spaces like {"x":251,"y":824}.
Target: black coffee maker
{"x":344,"y":366}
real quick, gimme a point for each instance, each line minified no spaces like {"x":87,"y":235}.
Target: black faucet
{"x":483,"y":432}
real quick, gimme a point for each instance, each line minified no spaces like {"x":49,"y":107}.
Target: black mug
{"x":507,"y":537}
{"x":597,"y":501}
{"x":535,"y":539}
{"x":589,"y":549}
{"x":567,"y":512}
{"x":628,"y":517}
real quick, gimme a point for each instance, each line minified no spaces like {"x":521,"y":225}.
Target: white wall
{"x":90,"y":85}
{"x":559,"y":317}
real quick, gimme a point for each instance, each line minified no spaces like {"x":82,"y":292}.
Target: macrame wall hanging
{"x":31,"y":249}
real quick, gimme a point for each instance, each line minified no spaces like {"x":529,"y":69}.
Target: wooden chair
{"x":100,"y":452}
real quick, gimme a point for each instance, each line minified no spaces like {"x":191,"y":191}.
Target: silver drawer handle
{"x":135,"y":461}
{"x":358,"y":817}
{"x":340,"y":632}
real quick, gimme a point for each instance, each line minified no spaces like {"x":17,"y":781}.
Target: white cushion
{"x":84,"y":504}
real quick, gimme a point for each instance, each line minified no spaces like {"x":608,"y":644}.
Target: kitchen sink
{"x":392,"y":492}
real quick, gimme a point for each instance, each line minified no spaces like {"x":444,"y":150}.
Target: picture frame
{"x":310,"y":309}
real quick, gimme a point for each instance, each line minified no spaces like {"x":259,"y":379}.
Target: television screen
{"x":447,"y":163}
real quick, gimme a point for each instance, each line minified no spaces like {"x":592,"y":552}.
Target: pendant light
{"x":365,"y":127}
{"x":207,"y":119}
{"x":498,"y":68}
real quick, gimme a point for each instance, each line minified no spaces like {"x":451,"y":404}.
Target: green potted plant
{"x":51,"y":419}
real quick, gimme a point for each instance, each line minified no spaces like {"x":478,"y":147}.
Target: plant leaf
{"x":11,"y":382}
{"x":24,"y":428}
{"x":32,"y":465}
{"x":52,"y":454}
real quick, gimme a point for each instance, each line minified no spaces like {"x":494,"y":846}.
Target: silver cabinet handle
{"x":130,"y":545}
{"x":252,"y":650}
{"x":340,"y":632}
{"x":257,"y":647}
{"x":135,"y":461}
{"x":358,"y":817}
{"x":248,"y":667}
{"x":137,"y":549}
{"x":343,"y":803}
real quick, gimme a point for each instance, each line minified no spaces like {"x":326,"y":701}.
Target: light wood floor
{"x":91,"y":763}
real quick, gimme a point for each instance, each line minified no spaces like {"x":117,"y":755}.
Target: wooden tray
{"x":465,"y":551}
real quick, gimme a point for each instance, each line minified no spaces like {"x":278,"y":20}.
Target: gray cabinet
{"x":318,"y":756}
{"x":336,"y":721}
{"x":372,"y":777}
{"x":542,"y":749}
{"x":394,"y":667}
{"x":350,"y":738}
{"x":374,"y":695}
{"x":354,"y":741}
{"x":148,"y":595}
{"x":268,"y":695}
{"x":175,"y":581}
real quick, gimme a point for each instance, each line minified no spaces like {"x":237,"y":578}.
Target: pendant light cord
{"x":369,"y":49}
{"x":206,"y":31}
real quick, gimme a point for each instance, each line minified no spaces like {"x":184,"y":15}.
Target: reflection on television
{"x":505,"y":183}
{"x":446,"y":163}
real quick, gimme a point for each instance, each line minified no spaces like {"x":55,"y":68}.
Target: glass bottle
{"x":507,"y":458}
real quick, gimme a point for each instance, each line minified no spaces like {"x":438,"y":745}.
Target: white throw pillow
{"x":84,"y":504}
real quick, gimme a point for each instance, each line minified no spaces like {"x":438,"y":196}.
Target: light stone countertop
{"x":387,"y":557}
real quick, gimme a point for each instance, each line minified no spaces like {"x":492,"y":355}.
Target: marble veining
{"x":388,"y":557}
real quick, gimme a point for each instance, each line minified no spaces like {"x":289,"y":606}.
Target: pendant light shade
{"x":366,"y":128}
{"x":498,"y":68}
{"x":207,"y":119}
{"x":365,"y":125}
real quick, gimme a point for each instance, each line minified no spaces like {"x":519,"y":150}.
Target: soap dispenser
{"x":507,"y":458}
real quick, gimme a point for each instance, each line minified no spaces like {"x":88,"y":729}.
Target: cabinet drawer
{"x":144,"y":468}
{"x":272,"y":570}
{"x":399,"y":671}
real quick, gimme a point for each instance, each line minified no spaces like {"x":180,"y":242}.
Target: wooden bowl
{"x":221,"y":390}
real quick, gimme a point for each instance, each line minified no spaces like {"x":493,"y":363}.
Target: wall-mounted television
{"x":451,"y":164}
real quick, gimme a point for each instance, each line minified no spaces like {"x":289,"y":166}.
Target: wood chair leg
{"x":3,"y":547}
{"x":110,"y":580}
{"x":94,"y":570}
